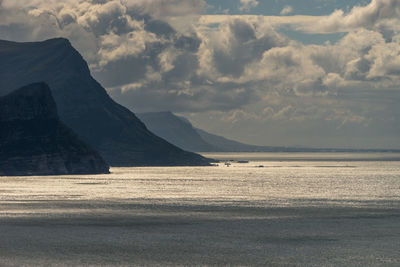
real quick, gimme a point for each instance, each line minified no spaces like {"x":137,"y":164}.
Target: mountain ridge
{"x":176,"y":130}
{"x":221,"y":144}
{"x":84,"y":105}
{"x":33,"y":141}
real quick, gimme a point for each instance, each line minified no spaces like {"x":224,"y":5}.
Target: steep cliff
{"x":84,"y":105}
{"x":33,"y":141}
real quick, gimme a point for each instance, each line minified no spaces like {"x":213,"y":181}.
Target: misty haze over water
{"x":279,"y":209}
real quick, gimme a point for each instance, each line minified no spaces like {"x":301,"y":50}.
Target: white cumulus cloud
{"x":287,"y":10}
{"x":247,"y":5}
{"x":165,"y":55}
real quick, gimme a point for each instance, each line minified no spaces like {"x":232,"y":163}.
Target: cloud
{"x":238,"y":44}
{"x":167,"y":8}
{"x":286,"y":10}
{"x":115,"y":47}
{"x":378,"y":13}
{"x":247,"y":5}
{"x":239,"y":69}
{"x":211,"y":20}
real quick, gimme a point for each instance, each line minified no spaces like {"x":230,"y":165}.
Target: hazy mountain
{"x":179,"y":131}
{"x":176,"y":130}
{"x":227,"y":145}
{"x":33,"y":141}
{"x":83,"y":104}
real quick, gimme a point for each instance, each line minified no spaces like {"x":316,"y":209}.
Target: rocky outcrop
{"x":84,"y":105}
{"x":33,"y":140}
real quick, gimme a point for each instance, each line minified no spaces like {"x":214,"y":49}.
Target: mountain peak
{"x":33,"y":141}
{"x":29,"y":102}
{"x":84,"y":105}
{"x":60,"y":41}
{"x":38,"y":89}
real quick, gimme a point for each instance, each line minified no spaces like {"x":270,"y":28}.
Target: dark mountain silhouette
{"x":83,"y":104}
{"x":33,"y":141}
{"x":175,"y":130}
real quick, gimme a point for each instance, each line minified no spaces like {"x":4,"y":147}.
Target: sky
{"x":315,"y":73}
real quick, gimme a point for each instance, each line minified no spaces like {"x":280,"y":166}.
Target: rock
{"x":84,"y":105}
{"x":33,"y":140}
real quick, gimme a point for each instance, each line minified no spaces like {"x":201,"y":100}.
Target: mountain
{"x":33,"y":140}
{"x":84,"y":105}
{"x":179,"y":131}
{"x":176,"y":130}
{"x":227,"y":145}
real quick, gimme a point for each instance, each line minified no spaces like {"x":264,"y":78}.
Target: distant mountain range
{"x":33,"y":141}
{"x":176,"y":130}
{"x":179,"y":131}
{"x":84,"y":105}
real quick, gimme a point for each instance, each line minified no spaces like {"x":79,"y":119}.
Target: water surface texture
{"x":278,"y":209}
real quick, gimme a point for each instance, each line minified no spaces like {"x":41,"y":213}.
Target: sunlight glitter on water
{"x":278,"y":183}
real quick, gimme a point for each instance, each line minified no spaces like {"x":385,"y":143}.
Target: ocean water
{"x":279,"y":209}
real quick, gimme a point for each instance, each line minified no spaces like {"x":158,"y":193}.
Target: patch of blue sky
{"x":310,"y":38}
{"x":274,"y":7}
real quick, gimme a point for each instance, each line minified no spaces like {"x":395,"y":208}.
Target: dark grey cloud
{"x":184,"y":98}
{"x":159,"y":27}
{"x":233,"y":72}
{"x":243,"y":47}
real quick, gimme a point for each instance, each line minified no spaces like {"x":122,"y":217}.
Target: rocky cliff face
{"x":33,"y":141}
{"x":84,"y":105}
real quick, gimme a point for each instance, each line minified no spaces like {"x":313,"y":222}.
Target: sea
{"x":250,"y":209}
